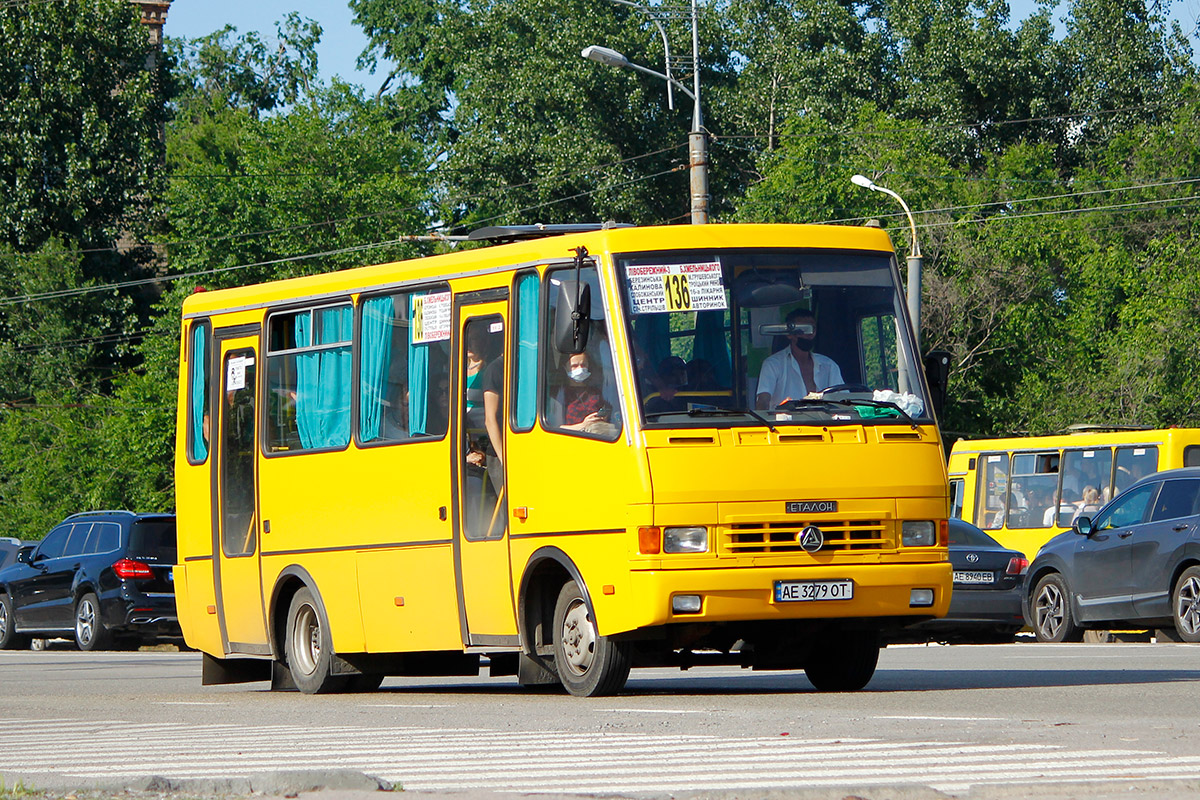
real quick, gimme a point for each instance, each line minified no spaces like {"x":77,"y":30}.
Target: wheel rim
{"x":1050,"y":610}
{"x":306,"y":640}
{"x":1187,"y":606}
{"x":578,"y":638}
{"x":3,"y":621}
{"x":85,"y":622}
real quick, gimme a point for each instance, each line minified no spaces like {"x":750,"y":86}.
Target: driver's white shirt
{"x":781,"y":378}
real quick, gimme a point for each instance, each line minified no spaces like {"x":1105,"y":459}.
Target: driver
{"x":796,"y":370}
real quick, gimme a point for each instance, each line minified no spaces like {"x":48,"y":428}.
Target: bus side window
{"x":1191,"y":455}
{"x":404,"y":367}
{"x":308,"y":379}
{"x":199,"y":367}
{"x":580,"y":390}
{"x":1086,"y":478}
{"x":992,"y":491}
{"x":957,"y":486}
{"x":525,"y":349}
{"x":1133,"y":463}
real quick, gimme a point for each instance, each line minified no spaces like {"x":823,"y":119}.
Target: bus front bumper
{"x":740,"y":594}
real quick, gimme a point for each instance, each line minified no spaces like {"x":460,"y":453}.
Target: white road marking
{"x":460,"y":759}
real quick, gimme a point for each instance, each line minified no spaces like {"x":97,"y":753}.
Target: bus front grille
{"x":784,"y":537}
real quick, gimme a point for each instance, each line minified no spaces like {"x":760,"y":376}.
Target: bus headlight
{"x":918,"y":533}
{"x":685,"y":540}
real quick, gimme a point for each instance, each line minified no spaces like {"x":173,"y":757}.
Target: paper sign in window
{"x":430,"y":318}
{"x":657,"y":289}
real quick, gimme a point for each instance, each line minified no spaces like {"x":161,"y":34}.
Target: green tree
{"x":80,"y":118}
{"x":527,"y":130}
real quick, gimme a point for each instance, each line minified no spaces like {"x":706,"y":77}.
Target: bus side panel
{"x":362,"y":504}
{"x":194,"y":595}
{"x":583,"y":510}
{"x":195,"y":592}
{"x":308,"y":528}
{"x":408,"y":599}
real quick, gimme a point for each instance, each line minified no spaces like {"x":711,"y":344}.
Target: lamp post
{"x":697,"y":140}
{"x":915,"y":262}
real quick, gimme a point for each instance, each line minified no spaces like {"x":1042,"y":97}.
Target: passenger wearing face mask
{"x":795,"y":371}
{"x":578,"y":402}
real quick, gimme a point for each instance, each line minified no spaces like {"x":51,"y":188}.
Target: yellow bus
{"x":1026,"y":490}
{"x":545,"y":456}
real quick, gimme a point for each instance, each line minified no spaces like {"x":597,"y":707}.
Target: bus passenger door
{"x":480,"y":503}
{"x":236,"y":566}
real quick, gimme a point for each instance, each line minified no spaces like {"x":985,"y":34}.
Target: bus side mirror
{"x":1082,"y":526}
{"x":572,"y":317}
{"x":937,"y":373}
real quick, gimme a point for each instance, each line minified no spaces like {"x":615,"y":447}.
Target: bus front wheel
{"x":309,"y":647}
{"x":843,"y":661}
{"x":589,"y":665}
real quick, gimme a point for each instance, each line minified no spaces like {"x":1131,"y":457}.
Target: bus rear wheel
{"x":589,"y":665}
{"x":309,"y":647}
{"x":843,"y":661}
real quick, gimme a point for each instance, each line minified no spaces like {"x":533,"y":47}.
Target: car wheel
{"x":843,"y":662}
{"x":9,"y":638}
{"x":90,"y":633}
{"x":310,"y":647}
{"x":588,"y":664}
{"x":1052,"y":619}
{"x":1185,"y":605}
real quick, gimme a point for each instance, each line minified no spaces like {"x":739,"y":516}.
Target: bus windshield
{"x":769,"y":336}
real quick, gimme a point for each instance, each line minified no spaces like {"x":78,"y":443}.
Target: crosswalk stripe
{"x":541,"y":762}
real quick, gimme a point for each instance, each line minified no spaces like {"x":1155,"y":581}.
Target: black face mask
{"x":804,"y":344}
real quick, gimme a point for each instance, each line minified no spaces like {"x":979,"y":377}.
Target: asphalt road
{"x":1094,"y":720}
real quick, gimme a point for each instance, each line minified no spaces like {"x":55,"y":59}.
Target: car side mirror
{"x":25,"y":554}
{"x":1082,"y":526}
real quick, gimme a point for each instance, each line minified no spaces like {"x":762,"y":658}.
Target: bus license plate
{"x":803,"y":591}
{"x":974,"y":577}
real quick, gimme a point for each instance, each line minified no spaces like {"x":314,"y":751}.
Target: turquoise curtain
{"x":199,"y":391}
{"x":323,"y":379}
{"x":525,"y":392}
{"x":375,"y":351}
{"x":711,"y":346}
{"x":418,"y":381}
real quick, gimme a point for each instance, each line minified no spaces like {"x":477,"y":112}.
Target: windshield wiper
{"x":715,"y":412}
{"x":825,"y":401}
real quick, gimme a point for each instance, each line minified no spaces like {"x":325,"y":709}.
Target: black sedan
{"x":989,"y":583}
{"x":1136,"y":564}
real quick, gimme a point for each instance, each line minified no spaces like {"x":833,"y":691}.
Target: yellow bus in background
{"x":547,"y":454}
{"x":1026,"y":490}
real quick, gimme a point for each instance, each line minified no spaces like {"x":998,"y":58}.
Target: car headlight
{"x":685,"y":540}
{"x":918,"y":533}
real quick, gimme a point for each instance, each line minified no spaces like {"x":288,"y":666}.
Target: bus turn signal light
{"x":650,"y":541}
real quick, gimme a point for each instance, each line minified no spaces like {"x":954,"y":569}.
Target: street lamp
{"x":697,"y":140}
{"x":915,"y":261}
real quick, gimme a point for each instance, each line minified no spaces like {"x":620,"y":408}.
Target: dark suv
{"x":103,"y":577}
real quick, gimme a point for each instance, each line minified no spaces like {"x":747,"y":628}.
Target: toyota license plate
{"x":805,"y":591}
{"x":974,"y":577}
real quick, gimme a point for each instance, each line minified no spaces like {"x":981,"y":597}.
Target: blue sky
{"x":343,"y":41}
